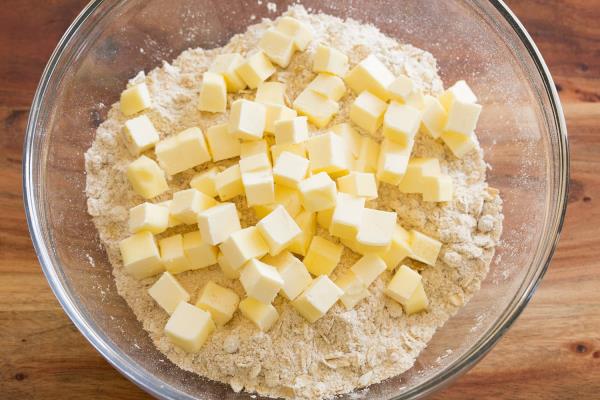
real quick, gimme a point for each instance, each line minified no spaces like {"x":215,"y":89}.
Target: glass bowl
{"x":522,"y":132}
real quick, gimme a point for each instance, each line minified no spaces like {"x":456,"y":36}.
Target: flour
{"x":344,"y":350}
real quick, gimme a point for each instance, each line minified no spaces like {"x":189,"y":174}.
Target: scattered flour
{"x":344,"y":350}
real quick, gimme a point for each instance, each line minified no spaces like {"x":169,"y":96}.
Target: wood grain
{"x":551,"y":352}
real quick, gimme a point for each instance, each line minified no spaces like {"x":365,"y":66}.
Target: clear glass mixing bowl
{"x":522,"y":131}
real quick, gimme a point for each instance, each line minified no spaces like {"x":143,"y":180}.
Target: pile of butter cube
{"x":305,"y":178}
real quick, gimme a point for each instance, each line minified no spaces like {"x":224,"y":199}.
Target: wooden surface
{"x":551,"y":352}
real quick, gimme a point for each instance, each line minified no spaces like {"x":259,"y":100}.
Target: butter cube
{"x":459,"y":144}
{"x":330,"y":61}
{"x":135,"y":99}
{"x":146,"y":177}
{"x":222,"y":145}
{"x":401,"y":123}
{"x":278,"y":46}
{"x":290,"y":169}
{"x":318,"y":108}
{"x":418,"y":301}
{"x":278,"y":229}
{"x":424,"y":248}
{"x":271,"y":93}
{"x":259,"y":187}
{"x":328,"y":153}
{"x":300,"y":33}
{"x":460,"y":91}
{"x":462,"y":118}
{"x":168,"y":292}
{"x":368,"y":157}
{"x":352,"y":138}
{"x":276,"y":113}
{"x":217,"y":223}
{"x":247,"y":120}
{"x":182,"y":151}
{"x":322,"y":256}
{"x":327,"y":85}
{"x":360,"y":184}
{"x":226,"y":267}
{"x":261,"y":281}
{"x":139,"y":134}
{"x":172,"y":220}
{"x":262,"y":315}
{"x":400,"y":88}
{"x":140,"y":255}
{"x":376,"y":230}
{"x":255,"y":69}
{"x":417,"y":169}
{"x":256,"y":162}
{"x":148,"y":217}
{"x":434,"y":117}
{"x":324,"y":218}
{"x":317,"y":299}
{"x":243,"y":245}
{"x":437,"y":188}
{"x":367,"y":111}
{"x":293,"y":272}
{"x":205,"y":182}
{"x":318,"y":192}
{"x":213,"y":93}
{"x":189,"y":327}
{"x":307,"y":222}
{"x":219,"y":301}
{"x":285,"y":196}
{"x":172,"y":254}
{"x":188,"y":203}
{"x":399,"y":248}
{"x":295,"y":148}
{"x":354,"y":289}
{"x":372,"y":75}
{"x":229,"y":183}
{"x":226,"y":65}
{"x":198,"y":253}
{"x":403,"y":284}
{"x":346,"y":216}
{"x":368,"y":268}
{"x":393,"y":161}
{"x":292,"y":130}
{"x":416,"y":99}
{"x":248,"y":149}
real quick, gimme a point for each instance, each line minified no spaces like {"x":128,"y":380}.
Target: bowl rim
{"x":128,"y":367}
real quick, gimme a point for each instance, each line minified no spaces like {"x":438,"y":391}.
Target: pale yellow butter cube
{"x":182,"y":151}
{"x":300,"y":33}
{"x":229,"y":183}
{"x":213,"y":93}
{"x":221,"y":143}
{"x":293,"y":272}
{"x":318,"y":192}
{"x":417,"y":169}
{"x":462,"y":118}
{"x":226,"y":268}
{"x":459,"y":144}
{"x":360,"y":184}
{"x":347,"y":215}
{"x":372,"y":75}
{"x":243,"y":245}
{"x":296,"y":148}
{"x":400,"y":88}
{"x":418,"y":301}
{"x":189,"y":327}
{"x":307,"y":221}
{"x":290,"y":169}
{"x":292,"y":130}
{"x":146,"y":177}
{"x":393,"y":161}
{"x":278,"y":229}
{"x":324,"y":218}
{"x":352,"y":138}
{"x":139,"y":134}
{"x":354,"y":289}
{"x":135,"y":99}
{"x":262,"y":315}
{"x":376,"y":230}
{"x":328,"y":152}
{"x":255,"y":69}
{"x":256,"y":162}
{"x":205,"y":181}
{"x":322,"y":256}
{"x":318,"y":108}
{"x":248,"y":149}
{"x":460,"y":91}
{"x":285,"y":196}
{"x":172,"y":254}
{"x":317,"y":299}
{"x":140,"y":255}
{"x":226,"y":65}
{"x":278,"y":46}
{"x":172,"y":220}
{"x":276,"y":113}
{"x":437,"y":188}
{"x":367,"y":111}
{"x":219,"y":301}
{"x":247,"y":120}
{"x":148,"y":217}
{"x":188,"y":203}
{"x":330,"y":61}
{"x":328,"y":85}
{"x":403,"y":284}
{"x":399,"y":248}
{"x":260,"y":281}
{"x":368,"y":157}
{"x":199,"y":253}
{"x":401,"y":123}
{"x":168,"y":292}
{"x":424,"y":248}
{"x":217,"y":223}
{"x":416,"y":99}
{"x":259,"y":187}
{"x":434,"y":117}
{"x":271,"y":93}
{"x":368,"y":268}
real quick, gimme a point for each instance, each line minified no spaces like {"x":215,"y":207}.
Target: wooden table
{"x":552,"y":351}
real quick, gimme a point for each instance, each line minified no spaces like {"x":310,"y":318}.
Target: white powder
{"x":344,"y":350}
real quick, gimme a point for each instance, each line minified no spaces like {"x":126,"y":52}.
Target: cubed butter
{"x":182,"y":151}
{"x":307,"y":221}
{"x":168,"y":292}
{"x":226,"y":267}
{"x":329,"y":60}
{"x":376,"y":230}
{"x":324,"y":218}
{"x":459,"y":144}
{"x":172,"y":254}
{"x":221,"y":143}
{"x":400,"y":88}
{"x":205,"y":182}
{"x":148,"y":217}
{"x":368,"y":268}
{"x":256,"y":162}
{"x":243,"y":245}
{"x":261,"y":281}
{"x":353,"y":287}
{"x":418,"y":301}
{"x":317,"y":299}
{"x":352,"y":138}
{"x":401,"y":123}
{"x":328,"y":152}
{"x":248,"y":149}
{"x":462,"y":118}
{"x":213,"y":93}
{"x":135,"y":99}
{"x":372,"y":75}
{"x":146,"y":177}
{"x":139,"y":134}
{"x":296,"y":148}
{"x":393,"y":161}
{"x":437,"y":188}
{"x":262,"y":315}
{"x":293,"y":272}
{"x":347,"y":215}
{"x":322,"y":256}
{"x":278,"y":46}
{"x":328,"y":85}
{"x":399,"y":248}
{"x":199,"y":253}
{"x":277,"y":113}
{"x":285,"y":196}
{"x":217,"y":223}
{"x":247,"y":120}
{"x":229,"y":183}
{"x":188,"y":203}
{"x":278,"y":229}
{"x":219,"y":301}
{"x":290,"y":169}
{"x":434,"y":117}
{"x":367,"y":111}
{"x":416,"y":170}
{"x":403,"y":284}
{"x":318,"y":192}
{"x":140,"y":255}
{"x":292,"y":130}
{"x":300,"y":33}
{"x":368,"y":157}
{"x":255,"y":69}
{"x":360,"y":184}
{"x":226,"y":65}
{"x":424,"y":248}
{"x":271,"y":93}
{"x":259,"y":187}
{"x":318,"y":108}
{"x":189,"y":327}
{"x":416,"y":99}
{"x":460,"y":91}
{"x":172,"y":220}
